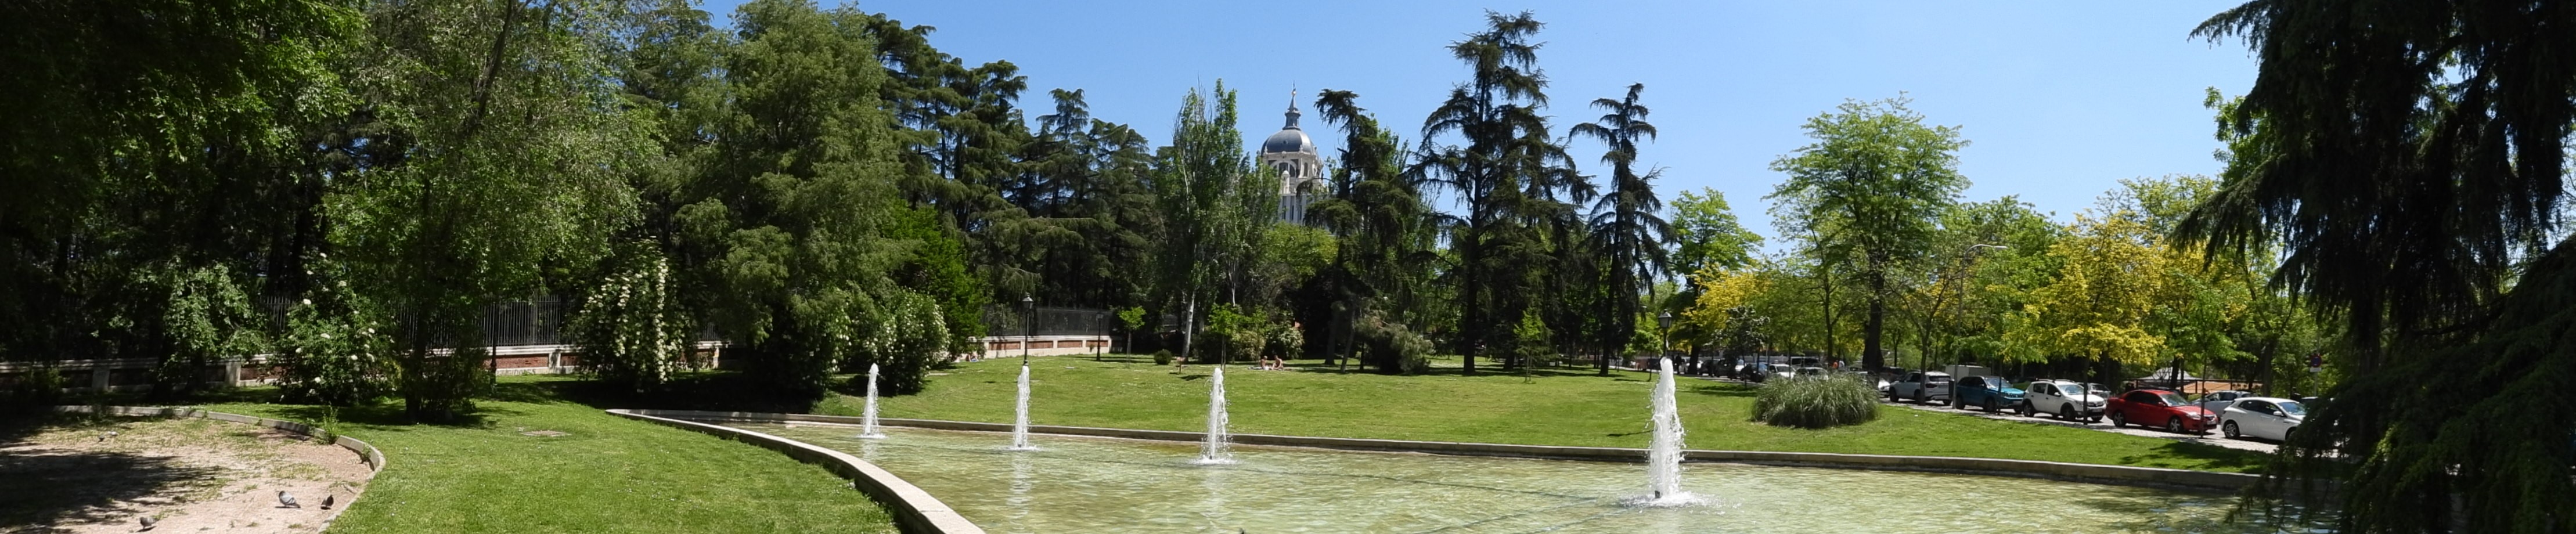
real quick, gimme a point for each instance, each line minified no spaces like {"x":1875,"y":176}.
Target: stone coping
{"x":914,"y":510}
{"x":375,"y":459}
{"x":2155,"y":477}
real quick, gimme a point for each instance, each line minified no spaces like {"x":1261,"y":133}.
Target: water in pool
{"x":1083,"y":485}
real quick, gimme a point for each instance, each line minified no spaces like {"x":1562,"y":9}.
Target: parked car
{"x":2067,"y":400}
{"x":1989,"y":392}
{"x":2270,"y":418}
{"x":1921,"y":386}
{"x":2217,"y":401}
{"x":2157,"y":407}
{"x":1812,"y":372}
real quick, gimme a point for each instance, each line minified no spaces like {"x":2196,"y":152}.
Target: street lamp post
{"x":1665,"y":322}
{"x":1028,"y":325}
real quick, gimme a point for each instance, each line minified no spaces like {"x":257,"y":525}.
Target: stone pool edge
{"x":2119,"y":475}
{"x":914,"y":510}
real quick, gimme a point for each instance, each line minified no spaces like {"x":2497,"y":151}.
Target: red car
{"x":2156,"y":407}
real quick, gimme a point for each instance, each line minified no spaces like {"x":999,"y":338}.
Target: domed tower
{"x":1301,"y":172}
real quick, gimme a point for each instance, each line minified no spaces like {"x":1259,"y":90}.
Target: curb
{"x":2153,"y":477}
{"x":375,"y":459}
{"x":914,"y":510}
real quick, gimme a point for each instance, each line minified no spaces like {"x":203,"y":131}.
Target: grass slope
{"x":609,"y":474}
{"x":1553,"y":408}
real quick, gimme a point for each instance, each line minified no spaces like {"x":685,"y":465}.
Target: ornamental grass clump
{"x":1815,"y":402}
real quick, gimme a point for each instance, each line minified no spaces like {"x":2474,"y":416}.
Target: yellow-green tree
{"x":2112,"y":275}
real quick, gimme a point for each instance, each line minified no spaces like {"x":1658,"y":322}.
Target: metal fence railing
{"x":536,"y":321}
{"x":1006,"y":320}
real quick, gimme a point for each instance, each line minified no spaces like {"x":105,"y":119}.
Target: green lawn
{"x":1565,"y":407}
{"x":609,"y":475}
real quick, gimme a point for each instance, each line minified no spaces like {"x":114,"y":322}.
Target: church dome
{"x":1288,"y":140}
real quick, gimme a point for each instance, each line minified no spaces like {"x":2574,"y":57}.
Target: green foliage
{"x":2410,"y":163}
{"x":517,"y":158}
{"x":1709,"y":234}
{"x":631,"y":329}
{"x":1234,"y":337}
{"x":1870,"y":191}
{"x":1628,"y":233}
{"x":1816,"y":402}
{"x":157,"y":164}
{"x":1283,"y":342}
{"x":333,"y":351}
{"x":1391,"y":348}
{"x":938,"y":269}
{"x":37,"y":388}
{"x":195,"y":317}
{"x":911,"y":338}
{"x":1517,"y":184}
{"x":1162,"y":357}
{"x":445,"y":385}
{"x":1218,"y":207}
{"x":787,"y":235}
{"x":1532,"y":344}
{"x":1132,"y":318}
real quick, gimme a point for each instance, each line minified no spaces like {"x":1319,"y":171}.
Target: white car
{"x":2270,"y":418}
{"x":1921,"y":387}
{"x":2065,"y":399}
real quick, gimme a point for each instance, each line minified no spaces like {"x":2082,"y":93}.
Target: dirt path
{"x":191,"y":475}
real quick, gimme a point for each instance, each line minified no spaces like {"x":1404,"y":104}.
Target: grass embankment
{"x":1555,"y":407}
{"x":607,"y":474}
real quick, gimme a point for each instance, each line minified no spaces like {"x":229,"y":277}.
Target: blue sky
{"x":2059,"y":99}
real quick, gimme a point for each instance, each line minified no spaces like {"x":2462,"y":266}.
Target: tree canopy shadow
{"x":1720,"y":389}
{"x":51,"y":487}
{"x":2215,"y":456}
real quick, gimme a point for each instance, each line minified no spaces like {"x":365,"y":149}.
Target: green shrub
{"x":36,"y":389}
{"x":907,"y":342}
{"x":631,"y":329}
{"x":1163,"y":357}
{"x":1815,"y":402}
{"x":1392,"y":348}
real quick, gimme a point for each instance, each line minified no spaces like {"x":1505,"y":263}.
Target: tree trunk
{"x":1872,"y":354}
{"x":1826,"y":278}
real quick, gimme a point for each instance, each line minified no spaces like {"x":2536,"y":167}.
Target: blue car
{"x":1989,"y":392}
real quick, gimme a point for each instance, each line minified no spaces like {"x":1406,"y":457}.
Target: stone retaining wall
{"x":2176,"y":479}
{"x":914,"y":510}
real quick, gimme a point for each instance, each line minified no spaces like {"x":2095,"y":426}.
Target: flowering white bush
{"x":332,"y":352}
{"x":630,"y":329}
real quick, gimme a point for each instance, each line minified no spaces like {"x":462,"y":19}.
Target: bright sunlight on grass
{"x":607,"y":474}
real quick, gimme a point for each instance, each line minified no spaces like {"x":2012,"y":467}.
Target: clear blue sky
{"x":2059,"y":99}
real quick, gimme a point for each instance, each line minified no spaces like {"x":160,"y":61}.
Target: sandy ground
{"x":192,"y":475}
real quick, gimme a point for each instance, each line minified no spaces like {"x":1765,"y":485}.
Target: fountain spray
{"x":1214,"y":452}
{"x":1020,"y":427}
{"x":1664,"y":456}
{"x":868,"y":417}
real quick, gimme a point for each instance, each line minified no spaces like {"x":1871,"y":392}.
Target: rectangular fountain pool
{"x":1083,"y":485}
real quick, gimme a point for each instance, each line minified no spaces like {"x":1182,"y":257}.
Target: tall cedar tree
{"x":2411,"y":159}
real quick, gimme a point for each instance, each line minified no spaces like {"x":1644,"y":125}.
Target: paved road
{"x":2212,"y":438}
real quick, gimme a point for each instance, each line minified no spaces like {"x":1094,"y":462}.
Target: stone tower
{"x":1301,"y":172}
